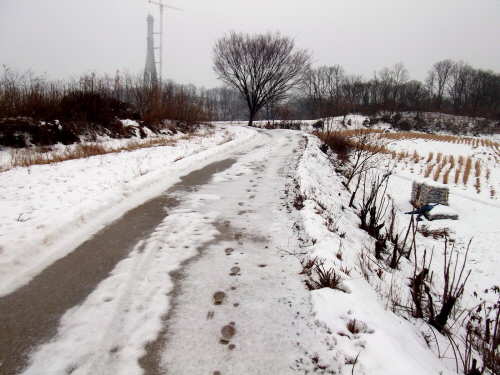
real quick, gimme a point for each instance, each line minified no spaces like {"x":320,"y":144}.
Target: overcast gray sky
{"x":66,"y":38}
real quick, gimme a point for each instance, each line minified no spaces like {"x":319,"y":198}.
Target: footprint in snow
{"x":228,"y":331}
{"x":234,"y":271}
{"x":240,"y":203}
{"x":219,"y":297}
{"x":229,"y":250}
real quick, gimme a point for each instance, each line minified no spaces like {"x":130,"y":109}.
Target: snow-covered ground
{"x":47,"y":211}
{"x":479,"y":214}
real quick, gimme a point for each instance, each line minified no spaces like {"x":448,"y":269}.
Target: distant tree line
{"x":94,"y":102}
{"x":451,"y":87}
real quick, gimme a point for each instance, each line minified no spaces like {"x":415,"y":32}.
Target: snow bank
{"x":368,"y":337}
{"x":46,"y":211}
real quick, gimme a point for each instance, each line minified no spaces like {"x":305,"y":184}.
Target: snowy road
{"x":207,"y":289}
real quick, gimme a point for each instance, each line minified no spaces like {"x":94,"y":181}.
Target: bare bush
{"x":338,"y":143}
{"x":373,"y":207}
{"x":454,"y":280}
{"x":454,"y":284}
{"x":319,"y":277}
{"x":402,"y":243}
{"x":36,"y":111}
{"x":483,"y":337}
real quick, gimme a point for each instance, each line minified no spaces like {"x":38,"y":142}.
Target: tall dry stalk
{"x":428,"y":170}
{"x":446,"y":176}
{"x":478,"y":168}
{"x":457,"y":174}
{"x":452,"y":161}
{"x":430,"y":157}
{"x":468,"y":168}
{"x":439,"y":156}
{"x":415,"y":157}
{"x":437,"y":172}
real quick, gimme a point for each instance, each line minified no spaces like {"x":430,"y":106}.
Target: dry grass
{"x":457,"y":175}
{"x":37,"y":156}
{"x":467,"y":170}
{"x":428,"y":170}
{"x":446,"y":176}
{"x":436,"y":165}
{"x":438,"y":157}
{"x":477,"y":168}
{"x":415,"y":157}
{"x":437,"y":172}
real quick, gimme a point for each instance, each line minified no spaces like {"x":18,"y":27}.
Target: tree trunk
{"x":250,"y":119}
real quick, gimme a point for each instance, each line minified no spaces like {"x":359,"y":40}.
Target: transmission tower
{"x":161,"y":5}
{"x":150,"y":68}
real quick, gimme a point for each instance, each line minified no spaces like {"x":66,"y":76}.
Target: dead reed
{"x":415,"y":157}
{"x":446,"y":176}
{"x":467,"y":170}
{"x":457,"y":174}
{"x":437,"y":172}
{"x":477,"y":168}
{"x":26,"y":157}
{"x":428,"y":170}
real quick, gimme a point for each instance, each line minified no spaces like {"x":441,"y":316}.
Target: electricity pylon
{"x":161,"y":5}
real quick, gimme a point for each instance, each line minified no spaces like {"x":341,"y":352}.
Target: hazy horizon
{"x":65,"y":39}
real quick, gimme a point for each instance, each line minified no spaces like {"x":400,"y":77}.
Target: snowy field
{"x":47,"y":211}
{"x":479,"y":214}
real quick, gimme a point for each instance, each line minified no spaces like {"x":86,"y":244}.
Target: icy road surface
{"x":210,"y":289}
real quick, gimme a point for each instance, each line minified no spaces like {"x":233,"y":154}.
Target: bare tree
{"x":385,"y":85}
{"x":323,"y":86}
{"x":416,"y":95}
{"x":263,"y":67}
{"x":400,"y":76}
{"x":459,"y":84}
{"x":438,"y":79}
{"x":354,"y":89}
